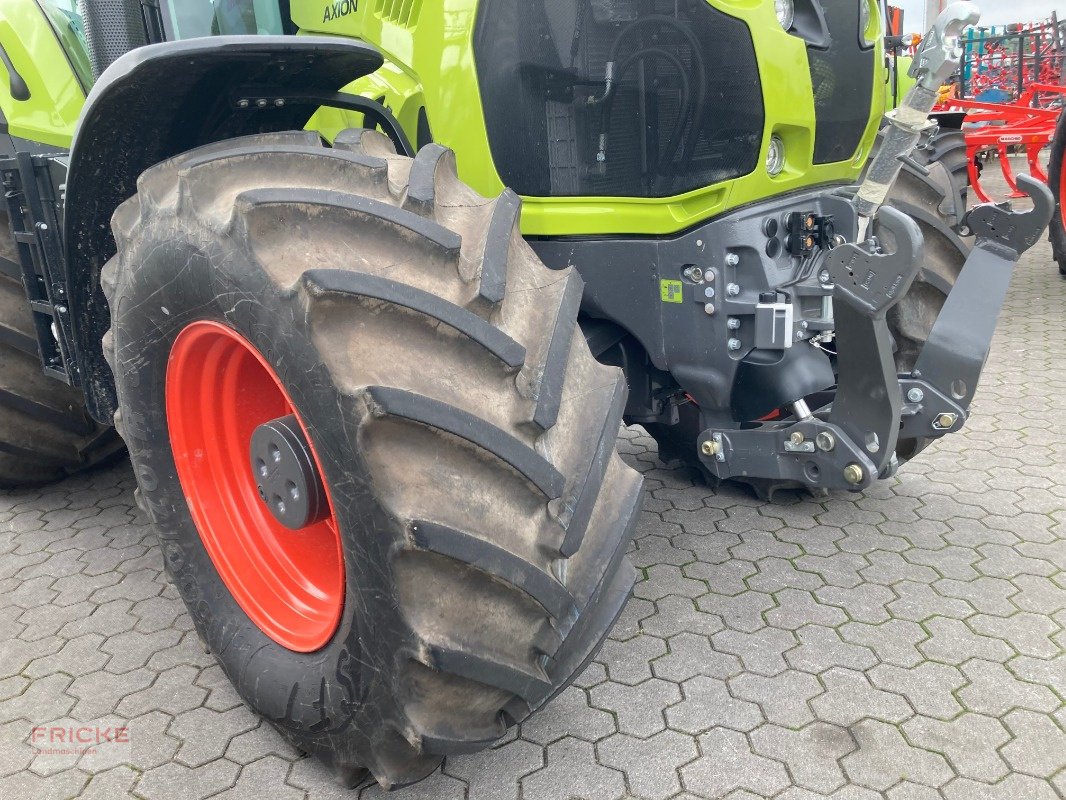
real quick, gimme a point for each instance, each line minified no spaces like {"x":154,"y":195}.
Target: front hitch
{"x":852,"y":442}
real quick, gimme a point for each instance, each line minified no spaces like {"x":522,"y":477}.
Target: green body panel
{"x":56,"y":94}
{"x":429,"y":47}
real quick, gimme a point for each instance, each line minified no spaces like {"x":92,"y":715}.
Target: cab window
{"x":66,"y":22}
{"x":187,"y":19}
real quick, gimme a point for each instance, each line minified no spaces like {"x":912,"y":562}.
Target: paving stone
{"x":812,"y":753}
{"x":495,"y":774}
{"x":175,"y":780}
{"x":652,"y":764}
{"x":784,"y":699}
{"x":1038,"y":747}
{"x":883,"y":758}
{"x":708,"y":704}
{"x":894,"y":642}
{"x":265,"y":777}
{"x":571,"y":763}
{"x":1013,"y":787}
{"x":691,"y":655}
{"x":674,"y":615}
{"x":637,"y":709}
{"x":850,"y":697}
{"x":570,"y":713}
{"x":205,"y":734}
{"x":629,"y":663}
{"x":761,"y":652}
{"x":969,"y":742}
{"x":928,"y":687}
{"x":953,"y":642}
{"x":821,"y":648}
{"x":994,"y":690}
{"x":727,"y":763}
{"x":172,"y":692}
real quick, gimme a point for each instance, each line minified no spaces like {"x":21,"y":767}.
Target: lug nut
{"x":853,"y":474}
{"x":825,"y":441}
{"x":732,"y":323}
{"x":734,"y":344}
{"x":915,"y":395}
{"x":710,"y":448}
{"x":732,"y":289}
{"x":732,"y":259}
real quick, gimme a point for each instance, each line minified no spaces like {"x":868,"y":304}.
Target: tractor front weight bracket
{"x":851,"y":442}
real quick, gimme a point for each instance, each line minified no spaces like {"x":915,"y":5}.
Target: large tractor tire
{"x":1057,"y":179}
{"x":378,"y":452}
{"x":45,"y":431}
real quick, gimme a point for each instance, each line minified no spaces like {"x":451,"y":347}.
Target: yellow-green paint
{"x":56,"y":94}
{"x":428,"y":46}
{"x":431,"y":63}
{"x":671,"y":291}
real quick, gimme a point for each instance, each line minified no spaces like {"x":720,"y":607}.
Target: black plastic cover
{"x":842,"y":75}
{"x":161,"y":100}
{"x":684,"y":108}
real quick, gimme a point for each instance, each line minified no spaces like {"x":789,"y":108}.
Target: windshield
{"x":187,"y":19}
{"x":66,"y":22}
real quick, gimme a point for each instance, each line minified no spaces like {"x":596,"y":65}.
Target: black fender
{"x":161,"y":100}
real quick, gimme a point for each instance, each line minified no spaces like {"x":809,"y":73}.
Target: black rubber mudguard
{"x":161,"y":100}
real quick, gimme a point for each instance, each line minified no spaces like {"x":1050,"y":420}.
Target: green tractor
{"x":371,"y":396}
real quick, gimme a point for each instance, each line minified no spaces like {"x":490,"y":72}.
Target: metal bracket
{"x":868,"y":402}
{"x":34,"y":217}
{"x":957,"y":347}
{"x":1017,"y":230}
{"x":811,"y":452}
{"x":925,"y":409}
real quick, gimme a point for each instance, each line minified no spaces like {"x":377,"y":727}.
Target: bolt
{"x":853,"y":474}
{"x":732,"y":289}
{"x":734,"y":344}
{"x":796,"y":437}
{"x":915,"y":395}
{"x":261,"y":102}
{"x":279,"y":102}
{"x":825,"y":277}
{"x":732,"y":259}
{"x":804,"y":324}
{"x":708,"y":308}
{"x":61,"y":309}
{"x":825,"y":441}
{"x":710,"y":448}
{"x":709,"y":291}
{"x":42,"y":226}
{"x":243,"y":103}
{"x":732,"y":323}
{"x":839,"y":240}
{"x":694,"y":274}
{"x":799,"y":335}
{"x":945,"y":421}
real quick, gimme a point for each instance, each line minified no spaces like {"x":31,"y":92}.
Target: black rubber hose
{"x":685,"y":91}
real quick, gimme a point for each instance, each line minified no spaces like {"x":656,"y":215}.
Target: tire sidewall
{"x":316,"y":699}
{"x":1056,"y":176}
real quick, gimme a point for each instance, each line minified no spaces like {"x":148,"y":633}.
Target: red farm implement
{"x":1002,"y":128}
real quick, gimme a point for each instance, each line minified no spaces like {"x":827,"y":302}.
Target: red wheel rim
{"x":218,"y":390}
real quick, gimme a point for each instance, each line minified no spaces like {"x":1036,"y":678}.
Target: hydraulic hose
{"x":936,"y":59}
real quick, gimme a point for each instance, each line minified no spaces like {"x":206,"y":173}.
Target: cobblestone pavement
{"x":907,"y":642}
